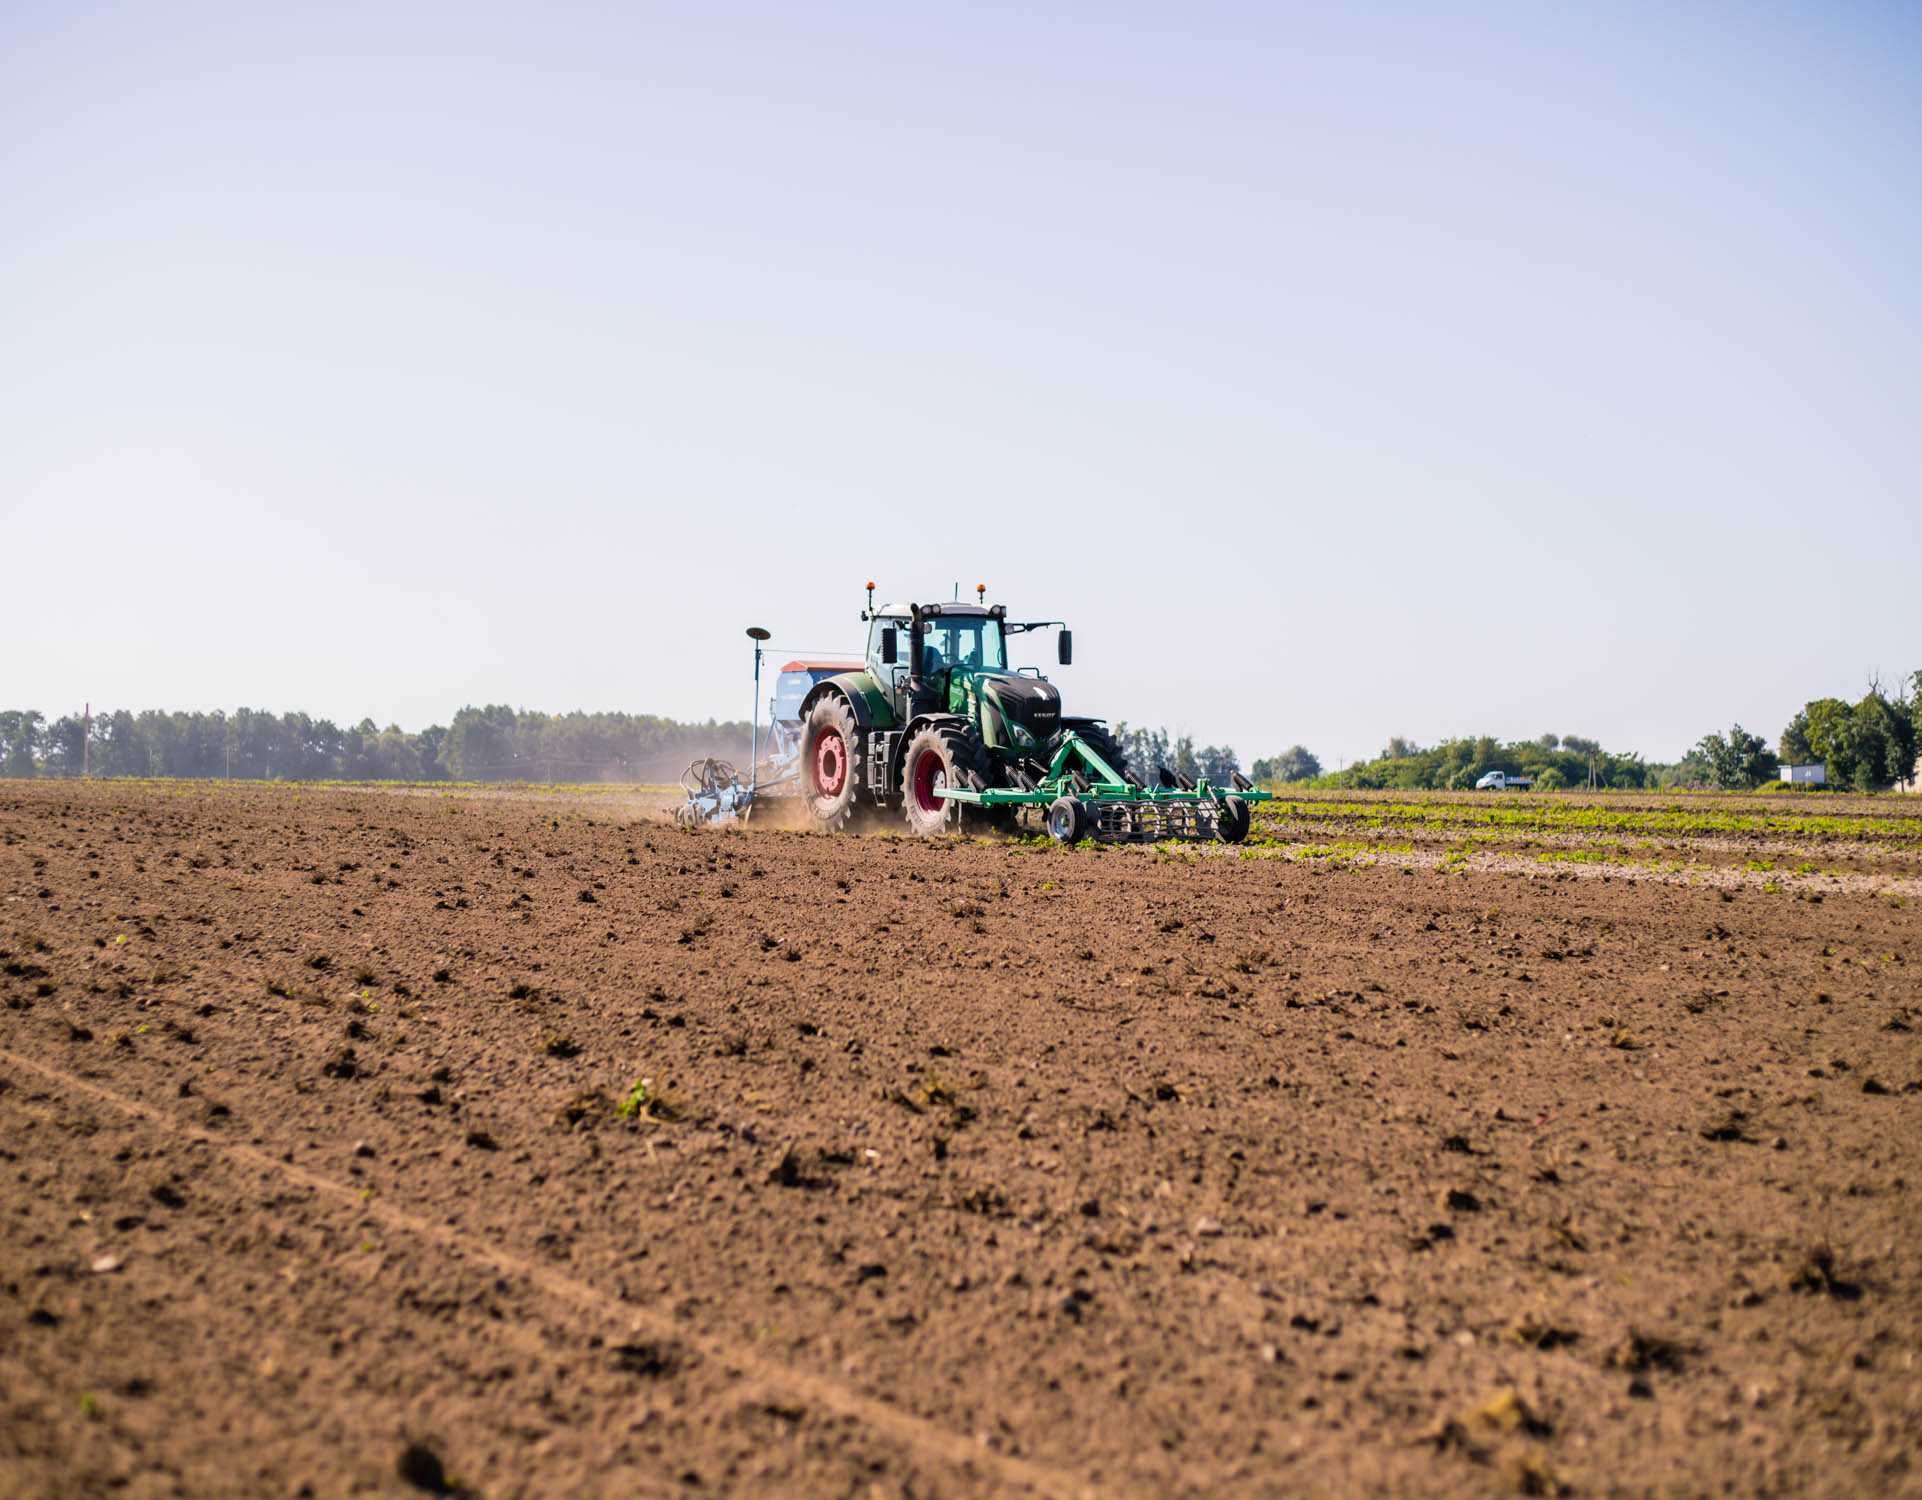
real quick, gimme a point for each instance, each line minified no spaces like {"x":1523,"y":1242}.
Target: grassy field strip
{"x":1760,"y":854}
{"x":1545,"y":816}
{"x":1823,"y":804}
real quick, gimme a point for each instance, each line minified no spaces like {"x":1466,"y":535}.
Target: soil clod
{"x":421,"y":1467}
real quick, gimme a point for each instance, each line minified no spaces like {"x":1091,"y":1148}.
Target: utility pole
{"x":86,"y":741}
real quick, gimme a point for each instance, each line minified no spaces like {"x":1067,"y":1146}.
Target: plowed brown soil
{"x":960,"y":1168}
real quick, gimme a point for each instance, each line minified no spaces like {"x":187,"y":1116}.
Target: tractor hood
{"x":1012,"y":708}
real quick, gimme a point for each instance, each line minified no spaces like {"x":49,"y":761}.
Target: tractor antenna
{"x":757,"y":635}
{"x":957,"y":589}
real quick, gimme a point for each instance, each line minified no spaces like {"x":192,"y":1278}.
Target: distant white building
{"x":1817,"y":775}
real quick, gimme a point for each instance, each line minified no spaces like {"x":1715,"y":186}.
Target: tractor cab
{"x":889,"y":652}
{"x":953,"y":659}
{"x":927,"y":657}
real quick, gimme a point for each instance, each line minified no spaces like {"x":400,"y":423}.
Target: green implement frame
{"x":1115,"y":810}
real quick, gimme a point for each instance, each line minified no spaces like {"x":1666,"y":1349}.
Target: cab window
{"x":960,"y":641}
{"x":875,"y":660}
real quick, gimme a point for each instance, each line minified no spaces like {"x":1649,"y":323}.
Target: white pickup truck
{"x":1501,"y":781}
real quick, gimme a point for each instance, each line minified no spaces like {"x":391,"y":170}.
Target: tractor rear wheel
{"x":1067,"y":820}
{"x":1232,"y":820}
{"x":942,"y":755}
{"x":830,"y":764}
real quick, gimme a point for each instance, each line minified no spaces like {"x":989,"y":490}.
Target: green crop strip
{"x":1563,"y":817}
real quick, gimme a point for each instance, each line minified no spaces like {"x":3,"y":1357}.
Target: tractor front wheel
{"x":939,"y":756}
{"x":830,"y":765}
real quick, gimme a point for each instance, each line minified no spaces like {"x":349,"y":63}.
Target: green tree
{"x":65,"y":745}
{"x":1218,"y":763}
{"x":20,"y":741}
{"x":119,"y":747}
{"x":1883,"y":736}
{"x":1914,"y":706}
{"x":1738,"y":761}
{"x":480,"y":743}
{"x":1693,"y":769}
{"x":1830,"y":735}
{"x":1296,"y":763}
{"x":1144,"y":748}
{"x":1794,"y":745}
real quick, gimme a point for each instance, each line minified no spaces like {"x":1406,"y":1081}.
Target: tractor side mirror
{"x":890,"y":646}
{"x":1066,"y":644}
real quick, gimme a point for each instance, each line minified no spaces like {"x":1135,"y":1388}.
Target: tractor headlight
{"x":1022,"y":739}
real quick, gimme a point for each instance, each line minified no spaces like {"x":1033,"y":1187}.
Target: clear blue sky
{"x":1337,"y":371}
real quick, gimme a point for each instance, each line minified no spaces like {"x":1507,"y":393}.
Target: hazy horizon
{"x":1336,"y":374}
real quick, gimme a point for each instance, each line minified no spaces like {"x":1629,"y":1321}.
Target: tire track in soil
{"x":753,"y":1377}
{"x":264,"y":1296}
{"x":270,"y":1312}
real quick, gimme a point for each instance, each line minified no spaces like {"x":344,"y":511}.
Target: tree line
{"x":492,"y":743}
{"x":1550,"y":761}
{"x":1868,"y":746}
{"x":1147,"y":748}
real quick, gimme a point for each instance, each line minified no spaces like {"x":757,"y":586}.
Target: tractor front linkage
{"x":1083,"y":796}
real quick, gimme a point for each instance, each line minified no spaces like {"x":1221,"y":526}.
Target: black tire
{"x":1067,"y":820}
{"x":1232,"y":820}
{"x":1098,"y":740}
{"x":941,"y":755}
{"x":830,"y":799}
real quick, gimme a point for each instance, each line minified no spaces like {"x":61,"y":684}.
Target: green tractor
{"x":937,"y":725}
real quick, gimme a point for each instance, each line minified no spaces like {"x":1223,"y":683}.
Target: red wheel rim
{"x":929,"y":773}
{"x":830,"y":763}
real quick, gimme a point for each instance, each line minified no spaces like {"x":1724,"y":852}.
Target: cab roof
{"x":848,"y":665}
{"x":972,"y":611}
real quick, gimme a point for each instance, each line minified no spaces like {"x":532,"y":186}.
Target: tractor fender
{"x":860,"y":692}
{"x":857,"y":703}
